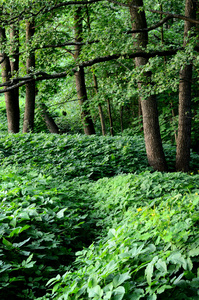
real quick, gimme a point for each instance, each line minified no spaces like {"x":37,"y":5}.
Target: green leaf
{"x":118,"y":293}
{"x":161,"y":289}
{"x":53,"y":280}
{"x":178,"y":278}
{"x":161,"y":266}
{"x":111,"y":233}
{"x":152,"y":297}
{"x":120,"y":278}
{"x":13,"y":222}
{"x":7,"y":243}
{"x":23,"y":216}
{"x":177,"y":258}
{"x":95,"y":291}
{"x":18,"y":230}
{"x":60,"y":214}
{"x":4,"y":267}
{"x":15,"y":231}
{"x":149,"y":269}
{"x":194,"y":252}
{"x":29,"y":258}
{"x":55,"y":287}
{"x":189,"y":263}
{"x":108,"y":295}
{"x":108,"y":287}
{"x":18,"y":245}
{"x":137,"y":294}
{"x":92,"y":281}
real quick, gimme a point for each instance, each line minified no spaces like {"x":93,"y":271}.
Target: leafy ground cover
{"x":70,"y":156}
{"x":75,"y":225}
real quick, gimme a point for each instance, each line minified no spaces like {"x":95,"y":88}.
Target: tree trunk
{"x":121,"y":118}
{"x":11,"y":98}
{"x":99,"y":106}
{"x":14,"y":64}
{"x":82,"y":96}
{"x":80,"y":77}
{"x":110,"y":117}
{"x":184,"y":123}
{"x":173,"y":116}
{"x":153,"y":143}
{"x":28,"y":123}
{"x":50,"y":123}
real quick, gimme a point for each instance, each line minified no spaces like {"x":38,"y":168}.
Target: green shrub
{"x":69,"y":156}
{"x":68,"y":218}
{"x":152,"y":250}
{"x":43,"y":223}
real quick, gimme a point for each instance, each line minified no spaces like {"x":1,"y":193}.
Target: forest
{"x":99,"y":149}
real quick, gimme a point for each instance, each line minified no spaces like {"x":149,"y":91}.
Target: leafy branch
{"x":38,"y":76}
{"x":176,"y":16}
{"x":153,"y":26}
{"x":26,"y":13}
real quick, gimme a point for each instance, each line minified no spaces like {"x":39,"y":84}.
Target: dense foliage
{"x":105,"y":31}
{"x":103,"y":67}
{"x":68,"y":156}
{"x":75,"y":225}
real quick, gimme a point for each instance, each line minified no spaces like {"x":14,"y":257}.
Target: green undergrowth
{"x":43,"y":224}
{"x":151,"y":254}
{"x":69,"y":156}
{"x":75,"y":225}
{"x":150,"y":243}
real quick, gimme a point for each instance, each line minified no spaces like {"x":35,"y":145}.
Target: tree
{"x":50,"y":123}
{"x":14,"y":65}
{"x":153,"y":143}
{"x":115,"y":39}
{"x":11,"y":97}
{"x":28,"y":124}
{"x":80,"y":77}
{"x":185,"y":95}
{"x":101,"y":114}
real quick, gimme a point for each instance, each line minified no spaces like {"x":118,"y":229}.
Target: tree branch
{"x":176,"y":16}
{"x":26,"y":14}
{"x":129,"y":55}
{"x":66,"y":44}
{"x":152,"y":27}
{"x":74,"y":3}
{"x":38,"y":76}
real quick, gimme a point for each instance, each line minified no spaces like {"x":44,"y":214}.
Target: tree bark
{"x":110,"y":117}
{"x":28,"y":123}
{"x":14,"y":63}
{"x":153,"y":142}
{"x":101,"y":114}
{"x":80,"y":77}
{"x":184,"y":123}
{"x":50,"y":123}
{"x":11,"y":97}
{"x":121,"y":118}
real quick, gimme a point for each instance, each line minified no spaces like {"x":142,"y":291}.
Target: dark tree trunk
{"x":80,"y":78}
{"x":28,"y":123}
{"x":11,"y":97}
{"x":153,"y":143}
{"x":101,"y":114}
{"x":14,"y":63}
{"x":121,"y":118}
{"x":173,"y":116}
{"x":110,"y":117}
{"x":184,"y":123}
{"x":82,"y":96}
{"x":50,"y":123}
